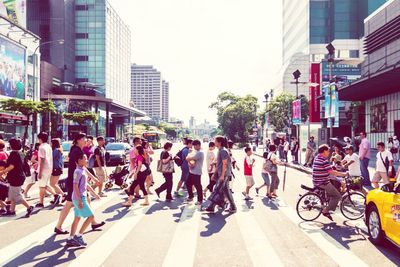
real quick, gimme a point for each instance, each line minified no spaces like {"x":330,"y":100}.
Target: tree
{"x":169,"y":129}
{"x":28,"y":108}
{"x":236,"y":115}
{"x":81,"y":117}
{"x":280,"y":111}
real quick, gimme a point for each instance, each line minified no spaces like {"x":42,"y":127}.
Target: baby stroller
{"x":119,"y":177}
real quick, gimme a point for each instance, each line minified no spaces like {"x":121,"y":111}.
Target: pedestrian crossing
{"x":183,"y":246}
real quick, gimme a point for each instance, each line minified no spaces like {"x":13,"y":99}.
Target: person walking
{"x":184,"y":167}
{"x":273,"y":172}
{"x":15,"y":177}
{"x":286,"y":149}
{"x":248,"y":172}
{"x":75,"y":153}
{"x":223,"y":173}
{"x":100,"y":164}
{"x":132,"y":162}
{"x":211,"y":164}
{"x":45,"y":168}
{"x":88,"y":151}
{"x":294,"y":149}
{"x":264,"y":175}
{"x":166,"y":157}
{"x":384,"y":166}
{"x":148,"y":151}
{"x":310,"y":150}
{"x":140,"y":175}
{"x":281,"y":148}
{"x":34,"y":166}
{"x":195,"y":161}
{"x":365,"y":156}
{"x":58,"y":166}
{"x":393,"y":148}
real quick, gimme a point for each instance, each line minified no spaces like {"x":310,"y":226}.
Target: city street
{"x":261,"y":233}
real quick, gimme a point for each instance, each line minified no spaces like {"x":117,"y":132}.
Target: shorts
{"x":57,"y":172}
{"x":14,"y":194}
{"x":184,"y":176}
{"x":100,"y":173}
{"x":85,"y":212}
{"x":266,"y":179}
{"x":45,"y":180}
{"x":381,"y":176}
{"x":249,"y":180}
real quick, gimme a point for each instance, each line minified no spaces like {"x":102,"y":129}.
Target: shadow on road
{"x":269,"y":203}
{"x":216,"y":221}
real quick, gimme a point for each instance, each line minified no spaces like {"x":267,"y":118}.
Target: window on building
{"x":81,"y":7}
{"x":80,"y":35}
{"x":81,"y":58}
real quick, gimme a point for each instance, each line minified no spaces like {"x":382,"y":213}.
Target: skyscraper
{"x":309,"y":25}
{"x":165,"y":100}
{"x":147,"y":90}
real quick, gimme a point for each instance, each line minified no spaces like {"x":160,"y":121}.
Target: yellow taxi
{"x":382,"y":214}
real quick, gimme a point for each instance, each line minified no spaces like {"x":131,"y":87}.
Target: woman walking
{"x":273,"y":172}
{"x":166,"y":158}
{"x":34,"y":165}
{"x":148,"y":151}
{"x":58,"y":166}
{"x":140,"y":175}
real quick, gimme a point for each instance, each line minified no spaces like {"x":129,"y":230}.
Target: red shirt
{"x":3,"y":156}
{"x":248,"y":167}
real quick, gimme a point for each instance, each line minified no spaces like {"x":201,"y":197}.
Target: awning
{"x":378,"y":84}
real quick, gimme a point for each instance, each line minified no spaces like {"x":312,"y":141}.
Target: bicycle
{"x":352,"y":205}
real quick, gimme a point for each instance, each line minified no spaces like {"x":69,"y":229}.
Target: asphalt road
{"x":261,"y":233}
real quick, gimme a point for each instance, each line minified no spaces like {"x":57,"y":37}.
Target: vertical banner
{"x":334,"y":104}
{"x":314,"y":93}
{"x":296,"y":112}
{"x":327,"y":101}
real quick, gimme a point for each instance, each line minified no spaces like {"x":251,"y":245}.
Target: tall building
{"x":149,"y":92}
{"x":309,"y":25}
{"x":165,"y":101}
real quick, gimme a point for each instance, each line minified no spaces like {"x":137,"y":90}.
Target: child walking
{"x":248,"y":172}
{"x":81,"y":205}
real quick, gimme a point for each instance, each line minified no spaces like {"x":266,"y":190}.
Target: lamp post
{"x":60,"y":41}
{"x":331,"y":53}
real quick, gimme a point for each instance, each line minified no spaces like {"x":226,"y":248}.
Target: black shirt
{"x":16,"y":176}
{"x":164,"y":155}
{"x":75,"y":153}
{"x":99,"y":151}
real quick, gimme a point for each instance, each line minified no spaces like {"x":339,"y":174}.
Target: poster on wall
{"x":12,"y":69}
{"x":14,"y":10}
{"x":379,"y":120}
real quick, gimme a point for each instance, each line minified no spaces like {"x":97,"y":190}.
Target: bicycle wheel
{"x":309,"y":206}
{"x":353,"y":205}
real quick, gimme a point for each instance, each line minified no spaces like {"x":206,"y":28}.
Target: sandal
{"x":144,"y":204}
{"x":127,"y":205}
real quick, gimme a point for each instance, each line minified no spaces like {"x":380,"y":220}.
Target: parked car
{"x":66,"y":147}
{"x":118,"y":153}
{"x":382,"y":214}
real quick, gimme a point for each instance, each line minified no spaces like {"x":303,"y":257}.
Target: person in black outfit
{"x":167,"y":185}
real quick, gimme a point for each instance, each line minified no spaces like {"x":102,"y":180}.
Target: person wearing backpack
{"x":384,"y":166}
{"x":272,"y":166}
{"x":184,"y":166}
{"x":265,"y":175}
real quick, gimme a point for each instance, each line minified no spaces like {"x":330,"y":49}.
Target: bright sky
{"x":204,"y":47}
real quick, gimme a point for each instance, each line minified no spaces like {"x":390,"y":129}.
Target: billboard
{"x":379,"y":120}
{"x":12,"y":69}
{"x":314,"y":92}
{"x":14,"y":10}
{"x":296,"y":112}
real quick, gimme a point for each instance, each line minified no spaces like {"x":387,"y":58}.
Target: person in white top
{"x":264,"y":175}
{"x":384,"y":165}
{"x":352,"y":162}
{"x":45,"y":168}
{"x":211,"y":166}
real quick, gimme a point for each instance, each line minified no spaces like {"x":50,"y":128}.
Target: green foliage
{"x":235,"y":115}
{"x":280,"y":111}
{"x":81,"y":117}
{"x":169,"y":129}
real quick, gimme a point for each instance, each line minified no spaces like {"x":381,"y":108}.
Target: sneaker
{"x":188,"y":200}
{"x":72,"y":243}
{"x":10,"y":213}
{"x":248,"y":198}
{"x":80,"y":240}
{"x":29,"y":211}
{"x":179,"y":194}
{"x":232,"y":210}
{"x":57,"y":199}
{"x":60,"y":232}
{"x":158,"y":193}
{"x":39,"y":205}
{"x":257,"y":190}
{"x":95,"y":226}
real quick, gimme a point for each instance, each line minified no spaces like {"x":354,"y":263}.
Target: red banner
{"x":314,"y":92}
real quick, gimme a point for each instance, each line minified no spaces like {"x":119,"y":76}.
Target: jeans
{"x":167,"y":185}
{"x":195,"y":180}
{"x":212,"y":183}
{"x":228,"y":194}
{"x":333,"y":194}
{"x":364,"y":172}
{"x":141,"y":178}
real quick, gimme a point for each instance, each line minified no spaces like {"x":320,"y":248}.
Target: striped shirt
{"x":321,"y":169}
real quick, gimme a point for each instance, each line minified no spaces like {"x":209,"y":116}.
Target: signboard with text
{"x":314,"y":93}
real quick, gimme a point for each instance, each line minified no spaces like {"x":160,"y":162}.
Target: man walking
{"x":195,"y":161}
{"x":384,"y":165}
{"x":310,"y":150}
{"x":184,"y":167}
{"x":365,"y":156}
{"x":99,"y":164}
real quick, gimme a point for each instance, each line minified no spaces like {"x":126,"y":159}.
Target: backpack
{"x":179,"y":157}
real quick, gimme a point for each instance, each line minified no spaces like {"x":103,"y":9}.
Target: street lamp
{"x":60,"y":41}
{"x":331,"y":54}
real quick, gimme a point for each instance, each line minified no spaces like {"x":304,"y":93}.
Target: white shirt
{"x":354,"y":168}
{"x":211,"y":161}
{"x":45,"y":152}
{"x":249,"y":160}
{"x":380,"y":167}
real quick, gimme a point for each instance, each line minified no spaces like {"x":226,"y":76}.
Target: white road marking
{"x":24,"y":244}
{"x":338,"y":253}
{"x":98,"y":252}
{"x":182,"y":249}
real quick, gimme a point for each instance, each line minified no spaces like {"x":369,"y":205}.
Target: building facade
{"x":165,"y":101}
{"x":147,"y":90}
{"x":379,"y":87}
{"x":309,"y":25}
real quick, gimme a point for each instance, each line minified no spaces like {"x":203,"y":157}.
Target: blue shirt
{"x":80,"y":179}
{"x":58,"y":161}
{"x":185,"y":164}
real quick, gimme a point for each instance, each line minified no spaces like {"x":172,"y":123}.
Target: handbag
{"x":270,"y":166}
{"x":165,"y":167}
